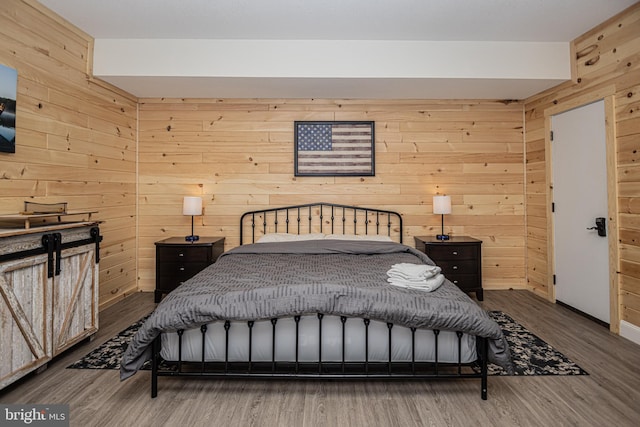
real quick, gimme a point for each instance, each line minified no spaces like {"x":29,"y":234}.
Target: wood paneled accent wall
{"x":75,"y":137}
{"x":238,"y":155}
{"x":606,"y":59}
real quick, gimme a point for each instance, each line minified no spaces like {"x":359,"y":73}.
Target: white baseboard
{"x":630,"y":331}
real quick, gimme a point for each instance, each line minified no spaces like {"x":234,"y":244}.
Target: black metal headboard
{"x":328,"y":218}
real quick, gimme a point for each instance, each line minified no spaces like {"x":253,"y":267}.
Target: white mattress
{"x":308,"y":342}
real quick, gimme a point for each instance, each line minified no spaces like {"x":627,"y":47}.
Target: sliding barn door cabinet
{"x":48,"y":294}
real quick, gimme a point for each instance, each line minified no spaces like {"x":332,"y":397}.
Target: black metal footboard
{"x":322,"y":368}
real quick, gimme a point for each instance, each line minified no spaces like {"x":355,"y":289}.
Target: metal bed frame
{"x":308,"y":218}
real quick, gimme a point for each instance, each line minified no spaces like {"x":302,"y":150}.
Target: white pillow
{"x":370,"y":237}
{"x":285,"y":237}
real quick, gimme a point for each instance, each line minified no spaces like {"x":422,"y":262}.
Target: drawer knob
{"x":180,"y":254}
{"x":455,"y":282}
{"x":455,"y":252}
{"x":181,"y":268}
{"x":455,"y":267}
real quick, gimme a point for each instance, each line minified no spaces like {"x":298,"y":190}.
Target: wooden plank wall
{"x":607,"y":55}
{"x":238,"y":155}
{"x":75,"y":137}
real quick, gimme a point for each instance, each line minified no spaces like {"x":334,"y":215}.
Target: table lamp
{"x":442,"y":206}
{"x":192,"y":206}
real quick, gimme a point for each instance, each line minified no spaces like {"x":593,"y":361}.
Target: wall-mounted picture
{"x":334,"y":148}
{"x":8,"y":95}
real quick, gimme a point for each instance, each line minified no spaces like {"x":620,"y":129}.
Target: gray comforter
{"x":339,"y":277}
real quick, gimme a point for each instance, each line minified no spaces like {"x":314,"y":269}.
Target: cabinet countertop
{"x":8,"y":232}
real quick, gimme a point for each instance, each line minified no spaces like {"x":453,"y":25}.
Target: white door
{"x":579,"y":172}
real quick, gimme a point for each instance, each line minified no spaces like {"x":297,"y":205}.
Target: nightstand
{"x":460,"y":259}
{"x":178,"y":260}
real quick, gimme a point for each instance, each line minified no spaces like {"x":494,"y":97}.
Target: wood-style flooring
{"x":609,"y":396}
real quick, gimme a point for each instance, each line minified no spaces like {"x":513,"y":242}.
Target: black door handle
{"x":600,"y":226}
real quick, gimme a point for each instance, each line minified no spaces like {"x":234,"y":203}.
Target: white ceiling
{"x":478,"y":20}
{"x":545,"y":22}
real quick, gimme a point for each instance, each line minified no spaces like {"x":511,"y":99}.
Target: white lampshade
{"x":192,"y":206}
{"x":441,"y":205}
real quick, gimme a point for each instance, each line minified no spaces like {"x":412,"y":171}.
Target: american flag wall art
{"x":334,"y":148}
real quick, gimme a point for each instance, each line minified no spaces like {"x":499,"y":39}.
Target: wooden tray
{"x":27,"y":217}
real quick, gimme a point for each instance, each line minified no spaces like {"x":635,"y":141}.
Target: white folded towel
{"x":427,"y":285}
{"x":413,"y":272}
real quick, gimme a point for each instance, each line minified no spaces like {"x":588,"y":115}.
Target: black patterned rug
{"x":531,"y":355}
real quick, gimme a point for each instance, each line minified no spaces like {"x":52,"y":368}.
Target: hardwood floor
{"x":609,"y":396}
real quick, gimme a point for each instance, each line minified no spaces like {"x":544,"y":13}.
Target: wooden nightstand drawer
{"x":452,"y":252}
{"x":458,"y":266}
{"x":466,"y":282}
{"x":173,"y":272}
{"x":183,"y":253}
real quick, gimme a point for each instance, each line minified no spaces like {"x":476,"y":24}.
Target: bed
{"x":306,"y":295}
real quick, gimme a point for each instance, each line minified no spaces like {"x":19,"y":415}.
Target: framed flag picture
{"x":8,"y":94}
{"x":334,"y":148}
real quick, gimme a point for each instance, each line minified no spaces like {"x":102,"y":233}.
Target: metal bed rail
{"x":320,"y":369}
